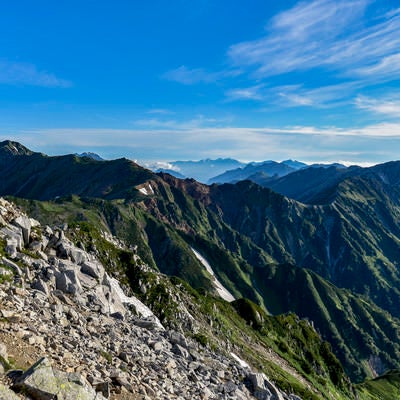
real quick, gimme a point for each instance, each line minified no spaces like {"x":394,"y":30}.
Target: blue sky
{"x":157,"y":80}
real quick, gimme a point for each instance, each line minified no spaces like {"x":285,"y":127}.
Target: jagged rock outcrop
{"x":90,"y":340}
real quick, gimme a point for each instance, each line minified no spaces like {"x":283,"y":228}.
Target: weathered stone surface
{"x":263,"y":388}
{"x":7,"y":394}
{"x":25,"y":224}
{"x":72,"y":310}
{"x":93,"y":269}
{"x":41,"y":382}
{"x":40,"y":285}
{"x":13,"y":237}
{"x":65,"y":249}
{"x":67,"y":279}
{"x":178,"y":338}
{"x":147,"y":323}
{"x":180,"y":351}
{"x":8,"y":263}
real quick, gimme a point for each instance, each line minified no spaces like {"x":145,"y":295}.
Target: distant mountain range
{"x":226,"y":170}
{"x":322,"y":242}
{"x":254,"y":171}
{"x":201,"y":170}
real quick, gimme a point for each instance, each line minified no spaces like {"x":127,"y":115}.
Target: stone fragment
{"x":263,"y":389}
{"x":40,"y":284}
{"x":178,"y":338}
{"x":7,"y":394}
{"x":67,"y":280}
{"x":93,"y":269}
{"x":103,"y":388}
{"x":148,"y":323}
{"x":25,"y":224}
{"x":10,"y":264}
{"x":41,"y":382}
{"x":180,"y":351}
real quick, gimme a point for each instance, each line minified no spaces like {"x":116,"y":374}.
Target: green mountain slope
{"x":384,"y":387}
{"x":364,"y":337}
{"x":254,"y":239}
{"x":355,"y":236}
{"x":37,"y":176}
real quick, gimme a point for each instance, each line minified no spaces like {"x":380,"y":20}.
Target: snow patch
{"x":384,"y":178}
{"x":222,"y":291}
{"x":146,"y":190}
{"x":241,"y":362}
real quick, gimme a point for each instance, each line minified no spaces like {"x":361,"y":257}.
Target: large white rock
{"x":14,"y":239}
{"x":93,"y":269}
{"x":25,"y":224}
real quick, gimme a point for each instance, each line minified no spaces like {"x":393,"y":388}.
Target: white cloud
{"x":15,"y":73}
{"x":296,"y":95}
{"x":196,"y":122}
{"x":387,"y":68}
{"x":160,"y":111}
{"x":307,"y":36}
{"x":374,"y":143}
{"x":347,"y":163}
{"x":389,"y":107}
{"x":161,"y":165}
{"x":353,"y":49}
{"x":382,"y":130}
{"x":189,"y":76}
{"x":248,"y":93}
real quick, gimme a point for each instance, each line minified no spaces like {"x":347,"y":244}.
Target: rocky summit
{"x":69,"y":330}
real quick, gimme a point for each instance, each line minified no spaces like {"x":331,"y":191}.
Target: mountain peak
{"x":10,"y":148}
{"x":91,"y":155}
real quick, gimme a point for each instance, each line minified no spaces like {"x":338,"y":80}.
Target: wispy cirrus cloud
{"x":199,"y":121}
{"x":352,"y":44}
{"x":295,"y":95}
{"x":320,"y":97}
{"x":322,"y":34}
{"x":246,"y":93}
{"x":386,"y":106}
{"x":189,"y":76}
{"x":17,"y":73}
{"x":387,"y":68}
{"x":159,"y":111}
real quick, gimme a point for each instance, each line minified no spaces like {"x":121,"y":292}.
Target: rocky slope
{"x":60,"y":308}
{"x":252,"y":238}
{"x":246,"y":232}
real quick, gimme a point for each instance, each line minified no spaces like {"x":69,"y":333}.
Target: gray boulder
{"x":8,"y":263}
{"x":66,"y":249}
{"x":93,"y":269}
{"x":67,"y":279}
{"x":263,"y":389}
{"x":14,"y":239}
{"x":25,"y":224}
{"x":41,"y":382}
{"x":7,"y":394}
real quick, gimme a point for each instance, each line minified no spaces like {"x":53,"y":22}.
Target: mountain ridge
{"x":246,"y":232}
